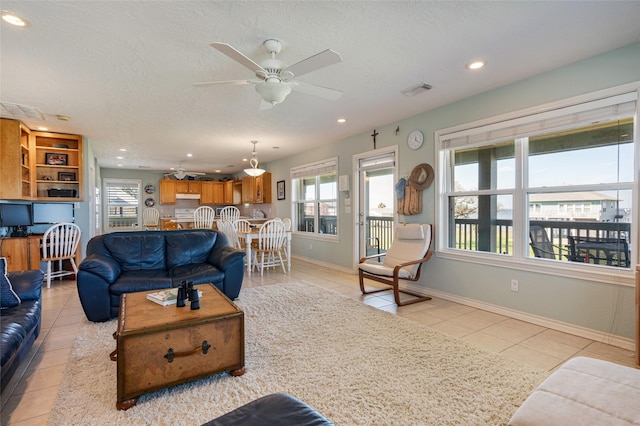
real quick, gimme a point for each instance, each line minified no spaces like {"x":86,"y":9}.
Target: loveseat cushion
{"x":8,"y":297}
{"x":198,"y":273}
{"x":137,"y":251}
{"x":189,"y":248}
{"x":17,"y":322}
{"x":133,"y":281}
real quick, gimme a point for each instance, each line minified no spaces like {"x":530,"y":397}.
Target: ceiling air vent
{"x":20,"y":112}
{"x":414,"y":90}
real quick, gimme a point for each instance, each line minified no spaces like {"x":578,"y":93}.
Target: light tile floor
{"x":29,"y":397}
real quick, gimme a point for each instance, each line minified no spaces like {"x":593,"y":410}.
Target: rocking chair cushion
{"x":411,"y":243}
{"x":381,"y":269}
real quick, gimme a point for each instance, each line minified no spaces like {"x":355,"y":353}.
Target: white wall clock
{"x":415,"y":139}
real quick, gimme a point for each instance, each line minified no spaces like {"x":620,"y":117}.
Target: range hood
{"x":187,"y":196}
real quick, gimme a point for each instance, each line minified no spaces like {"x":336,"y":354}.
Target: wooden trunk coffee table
{"x":161,"y":346}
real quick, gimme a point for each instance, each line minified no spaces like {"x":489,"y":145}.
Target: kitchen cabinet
{"x":212,"y":193}
{"x":167,"y":191}
{"x":228,"y":192}
{"x":16,"y":159}
{"x":188,"y":186}
{"x":248,"y":189}
{"x":256,"y":189}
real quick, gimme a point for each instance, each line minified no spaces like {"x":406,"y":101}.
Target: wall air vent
{"x":414,"y":90}
{"x":20,"y":112}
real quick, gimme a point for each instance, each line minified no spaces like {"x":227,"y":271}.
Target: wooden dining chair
{"x":203,"y":217}
{"x":229,"y":213}
{"x":268,"y":252}
{"x":229,"y":230}
{"x":151,"y":219}
{"x":59,"y":243}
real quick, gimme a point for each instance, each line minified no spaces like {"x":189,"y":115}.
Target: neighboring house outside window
{"x":123,"y":204}
{"x":315,"y":198}
{"x":565,"y":176}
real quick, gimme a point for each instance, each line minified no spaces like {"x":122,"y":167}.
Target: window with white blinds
{"x":315,"y":198}
{"x":123,"y":204}
{"x":555,"y":188}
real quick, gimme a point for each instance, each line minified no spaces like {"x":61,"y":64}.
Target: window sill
{"x":602,"y":274}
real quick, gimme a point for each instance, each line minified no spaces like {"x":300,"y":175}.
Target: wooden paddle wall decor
{"x":411,"y":203}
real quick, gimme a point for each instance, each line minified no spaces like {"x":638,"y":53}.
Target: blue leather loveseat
{"x":127,"y":262}
{"x":20,"y":324}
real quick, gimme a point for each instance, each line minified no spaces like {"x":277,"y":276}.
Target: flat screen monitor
{"x":15,"y":215}
{"x":52,"y":212}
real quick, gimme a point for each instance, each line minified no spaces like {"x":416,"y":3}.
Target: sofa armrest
{"x":107,"y":269}
{"x":27,"y":284}
{"x":222,"y":257}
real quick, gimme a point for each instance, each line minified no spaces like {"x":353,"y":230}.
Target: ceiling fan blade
{"x":225,"y":83}
{"x":237,"y":56}
{"x":315,"y":62}
{"x":315,"y":90}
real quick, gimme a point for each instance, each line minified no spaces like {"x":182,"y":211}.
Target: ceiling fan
{"x":274,"y":82}
{"x":180,"y":173}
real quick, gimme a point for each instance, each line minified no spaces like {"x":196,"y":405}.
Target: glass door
{"x":376,"y":201}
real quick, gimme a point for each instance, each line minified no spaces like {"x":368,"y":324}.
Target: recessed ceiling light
{"x":119,"y":165}
{"x":123,"y":150}
{"x":475,"y":65}
{"x":342,"y":120}
{"x":189,"y":155}
{"x":119,"y":158}
{"x":217,"y":171}
{"x":63,"y":117}
{"x":14,"y":19}
{"x":43,"y":129}
{"x":244,"y":159}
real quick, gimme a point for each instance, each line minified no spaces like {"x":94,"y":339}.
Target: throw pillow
{"x":8,"y":297}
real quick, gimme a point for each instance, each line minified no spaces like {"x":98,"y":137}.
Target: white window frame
{"x":107,"y":182}
{"x":519,"y":260}
{"x":315,"y":169}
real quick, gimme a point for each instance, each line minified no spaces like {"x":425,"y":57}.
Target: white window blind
{"x":608,"y":109}
{"x":314,"y":169}
{"x":377,"y":162}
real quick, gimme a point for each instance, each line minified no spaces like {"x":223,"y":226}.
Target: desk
{"x":247,"y":237}
{"x":25,"y":253}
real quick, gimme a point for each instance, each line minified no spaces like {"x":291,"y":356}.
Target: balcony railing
{"x":466,"y":234}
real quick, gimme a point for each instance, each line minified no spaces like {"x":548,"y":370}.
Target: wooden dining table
{"x":253,"y":235}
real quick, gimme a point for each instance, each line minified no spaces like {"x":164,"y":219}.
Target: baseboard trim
{"x":325,"y":264}
{"x":588,"y":333}
{"x":595,"y":335}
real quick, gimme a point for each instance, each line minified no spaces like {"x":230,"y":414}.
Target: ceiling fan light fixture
{"x":254,"y":170}
{"x":273,"y":92}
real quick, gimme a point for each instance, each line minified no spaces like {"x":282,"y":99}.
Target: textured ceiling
{"x":123,"y":71}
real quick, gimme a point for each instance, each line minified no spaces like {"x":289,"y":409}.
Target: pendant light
{"x":254,"y":170}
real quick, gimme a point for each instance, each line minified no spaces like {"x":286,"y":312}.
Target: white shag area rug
{"x":354,"y":364}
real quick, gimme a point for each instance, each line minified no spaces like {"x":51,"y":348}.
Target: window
{"x":123,"y":204}
{"x":527,"y":189}
{"x":315,"y":198}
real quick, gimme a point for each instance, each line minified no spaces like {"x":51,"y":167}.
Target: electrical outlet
{"x":310,"y":246}
{"x":514,"y":285}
